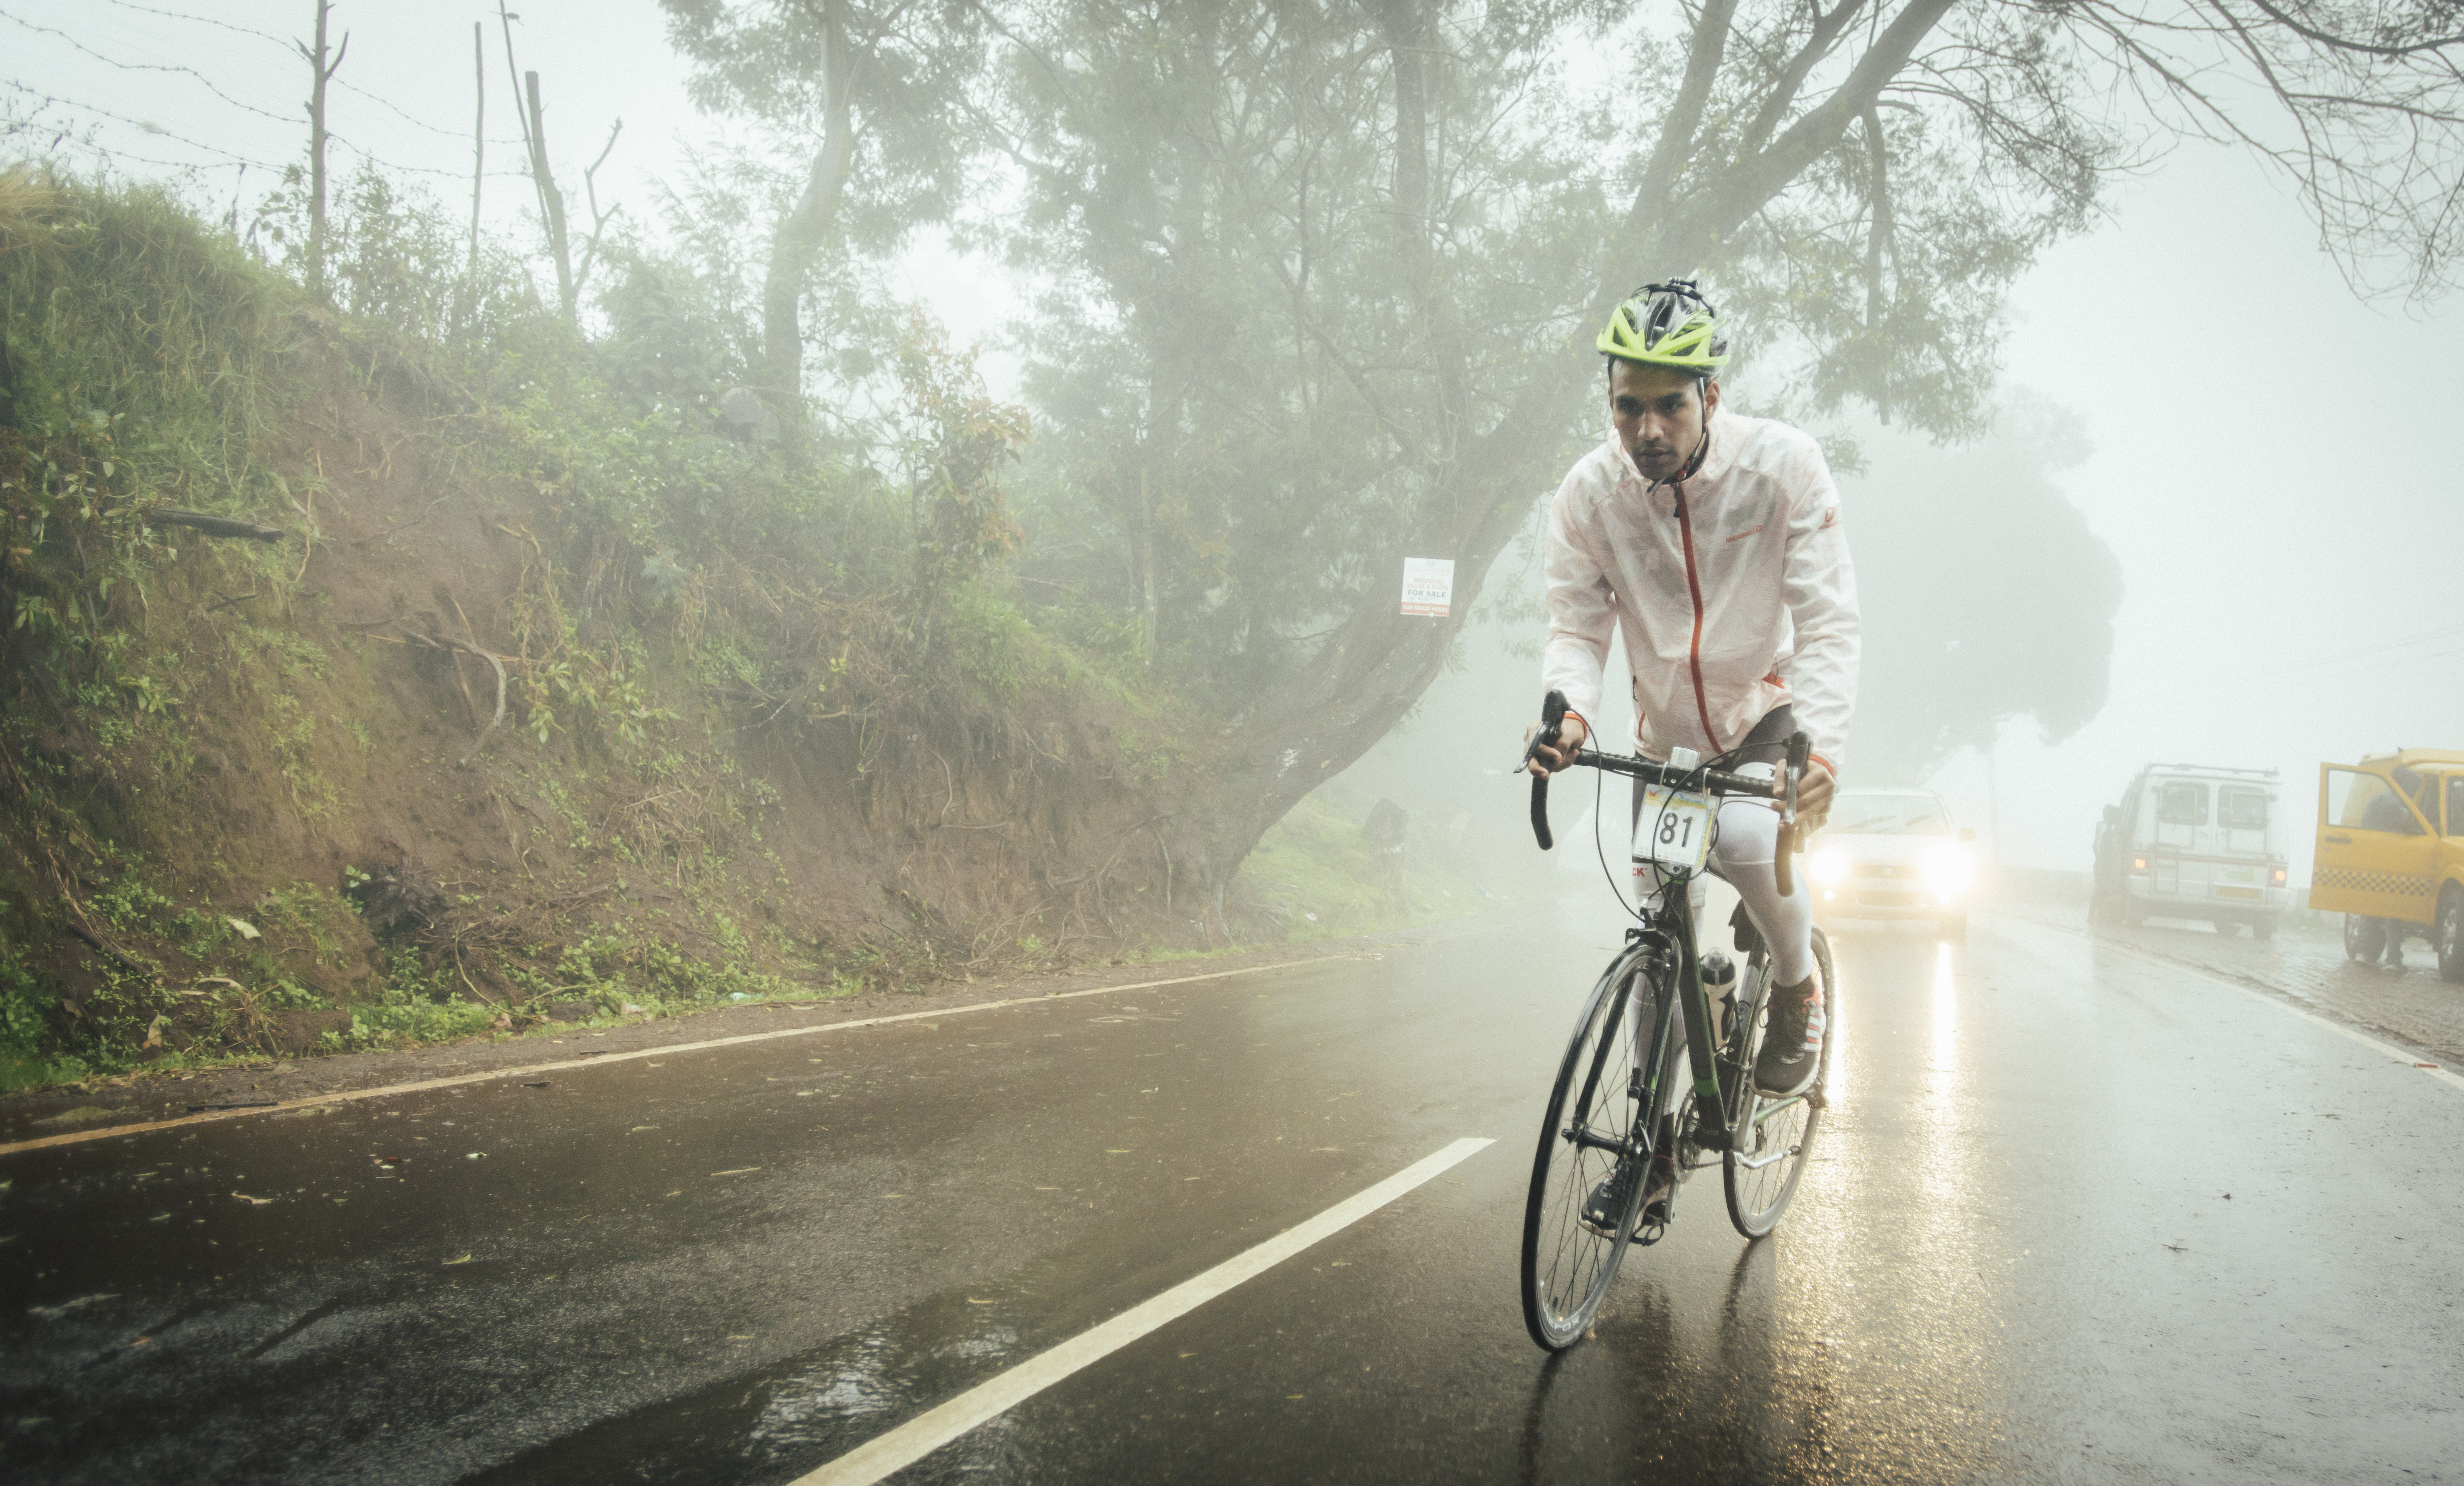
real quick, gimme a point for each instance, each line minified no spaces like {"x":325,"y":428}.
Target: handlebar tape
{"x":1553,"y":715}
{"x":1800,"y":749}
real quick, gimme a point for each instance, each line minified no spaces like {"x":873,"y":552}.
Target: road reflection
{"x":1858,"y":1343}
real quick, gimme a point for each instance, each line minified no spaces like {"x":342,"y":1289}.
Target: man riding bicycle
{"x":1712,"y":543}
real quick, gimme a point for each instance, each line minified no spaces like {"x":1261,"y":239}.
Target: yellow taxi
{"x":2390,"y":853}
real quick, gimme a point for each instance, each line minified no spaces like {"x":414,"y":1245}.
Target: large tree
{"x":869,"y":93}
{"x":1323,"y":272}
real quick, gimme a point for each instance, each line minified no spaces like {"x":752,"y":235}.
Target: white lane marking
{"x":2276,"y":999}
{"x":930,"y":1431}
{"x":603,"y":1059}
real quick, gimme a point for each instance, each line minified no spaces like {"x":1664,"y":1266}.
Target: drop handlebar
{"x":1706,"y":780}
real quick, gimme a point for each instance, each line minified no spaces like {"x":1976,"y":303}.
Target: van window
{"x":2183,"y":804}
{"x":2241,"y":810}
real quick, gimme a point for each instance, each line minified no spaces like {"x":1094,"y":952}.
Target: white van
{"x":2189,"y":841}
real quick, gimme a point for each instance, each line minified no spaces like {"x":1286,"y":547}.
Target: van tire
{"x":2448,"y":938}
{"x":2364,"y":937}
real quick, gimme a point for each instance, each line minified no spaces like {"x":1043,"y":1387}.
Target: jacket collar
{"x":1716,"y":460}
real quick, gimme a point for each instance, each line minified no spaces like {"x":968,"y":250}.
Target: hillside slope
{"x":542,"y":691}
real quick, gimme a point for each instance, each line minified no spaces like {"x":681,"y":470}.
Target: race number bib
{"x":1675,"y":830}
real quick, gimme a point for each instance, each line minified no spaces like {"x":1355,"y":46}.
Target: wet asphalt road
{"x":2014,"y":1256}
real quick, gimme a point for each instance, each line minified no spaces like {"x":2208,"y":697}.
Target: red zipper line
{"x":1694,"y":588}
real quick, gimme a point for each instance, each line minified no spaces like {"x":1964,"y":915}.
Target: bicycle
{"x":1597,"y":1127}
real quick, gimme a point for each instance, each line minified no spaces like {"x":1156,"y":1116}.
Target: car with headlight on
{"x":1893,"y":853}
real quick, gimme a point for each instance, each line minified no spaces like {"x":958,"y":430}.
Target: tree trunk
{"x":551,"y":199}
{"x":479,"y":143}
{"x":800,"y":233}
{"x":321,"y":72}
{"x":1149,"y":611}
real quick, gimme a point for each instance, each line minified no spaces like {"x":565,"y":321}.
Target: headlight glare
{"x":1948,"y":872}
{"x":1828,"y":867}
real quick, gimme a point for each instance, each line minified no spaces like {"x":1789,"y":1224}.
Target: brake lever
{"x":1553,"y":714}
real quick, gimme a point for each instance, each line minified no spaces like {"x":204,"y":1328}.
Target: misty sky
{"x":2273,"y":463}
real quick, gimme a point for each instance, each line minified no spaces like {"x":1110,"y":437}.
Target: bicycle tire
{"x":1567,"y":1266}
{"x":1776,"y":1135}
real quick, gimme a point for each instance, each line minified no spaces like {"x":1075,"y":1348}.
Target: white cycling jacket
{"x":1732,"y":599}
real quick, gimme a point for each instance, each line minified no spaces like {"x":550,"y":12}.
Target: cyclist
{"x":1711,"y":541}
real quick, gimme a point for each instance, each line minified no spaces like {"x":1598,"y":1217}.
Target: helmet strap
{"x":1703,"y":445}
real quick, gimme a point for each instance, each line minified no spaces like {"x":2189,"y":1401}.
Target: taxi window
{"x":2455,"y":805}
{"x":2366,"y":802}
{"x":2241,"y":810}
{"x":2183,"y":804}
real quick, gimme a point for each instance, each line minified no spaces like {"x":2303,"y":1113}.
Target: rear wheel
{"x":1774,"y":1137}
{"x":2364,"y":937}
{"x":1591,"y":1129}
{"x":2449,"y":938}
{"x":2263,"y":929}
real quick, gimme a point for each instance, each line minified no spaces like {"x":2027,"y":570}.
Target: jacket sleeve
{"x":1821,"y":590}
{"x":1582,"y":611}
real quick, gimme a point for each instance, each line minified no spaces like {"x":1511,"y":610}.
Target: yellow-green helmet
{"x":1670,"y":325}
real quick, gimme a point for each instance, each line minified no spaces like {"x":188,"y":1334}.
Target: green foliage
{"x":1314,"y":876}
{"x":958,"y":442}
{"x":685,"y":580}
{"x":896,"y":74}
{"x":23,"y":1015}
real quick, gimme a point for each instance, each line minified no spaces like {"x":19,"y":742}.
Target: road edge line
{"x":886,"y":1453}
{"x":605,"y":1059}
{"x":2274,"y":998}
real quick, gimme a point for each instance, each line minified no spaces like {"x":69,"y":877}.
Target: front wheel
{"x":2364,"y":937}
{"x":1768,"y":1153}
{"x":1592,"y":1130}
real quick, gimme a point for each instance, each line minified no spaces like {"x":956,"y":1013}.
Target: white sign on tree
{"x":1428,"y":585}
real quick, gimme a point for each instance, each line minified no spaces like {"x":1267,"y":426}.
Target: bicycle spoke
{"x":1774,"y":1137}
{"x":1591,"y":1126}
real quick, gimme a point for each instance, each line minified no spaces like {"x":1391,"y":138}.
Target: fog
{"x":2271,"y":460}
{"x":2271,"y":467}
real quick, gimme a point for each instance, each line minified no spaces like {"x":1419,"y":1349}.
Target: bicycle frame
{"x":1672,"y":933}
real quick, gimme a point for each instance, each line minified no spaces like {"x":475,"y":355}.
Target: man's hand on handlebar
{"x":1546,"y":760}
{"x":1813,"y":795}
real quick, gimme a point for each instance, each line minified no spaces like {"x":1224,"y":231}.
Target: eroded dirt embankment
{"x":539,"y":699}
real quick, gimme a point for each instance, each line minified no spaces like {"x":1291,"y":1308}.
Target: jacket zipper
{"x":1694,"y":590}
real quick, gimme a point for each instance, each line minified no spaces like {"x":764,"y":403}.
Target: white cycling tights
{"x":1743,"y":853}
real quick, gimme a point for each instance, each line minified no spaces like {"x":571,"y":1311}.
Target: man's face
{"x":1659,"y":415}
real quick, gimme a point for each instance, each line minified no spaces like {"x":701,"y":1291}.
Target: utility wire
{"x":147,"y":125}
{"x":345,"y":82}
{"x":112,"y":61}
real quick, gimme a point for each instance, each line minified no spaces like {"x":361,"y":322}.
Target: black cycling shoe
{"x":1607,"y":1200}
{"x":1792,"y":1050}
